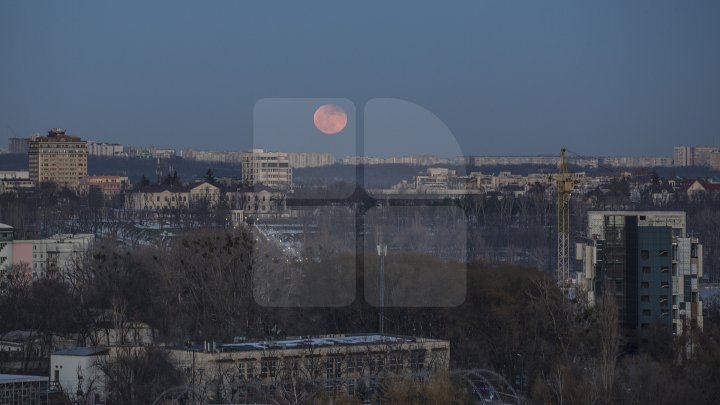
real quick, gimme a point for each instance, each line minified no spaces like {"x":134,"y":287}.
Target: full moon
{"x":330,"y":119}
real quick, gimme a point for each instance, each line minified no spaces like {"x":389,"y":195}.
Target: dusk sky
{"x":505,"y":77}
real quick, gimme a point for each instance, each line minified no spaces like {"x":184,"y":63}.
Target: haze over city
{"x":505,"y":77}
{"x":359,"y":203}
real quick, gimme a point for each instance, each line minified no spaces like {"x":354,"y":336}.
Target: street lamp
{"x":382,"y":252}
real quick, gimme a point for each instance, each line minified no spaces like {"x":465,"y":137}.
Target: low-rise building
{"x":78,"y":370}
{"x":109,"y":186}
{"x":23,"y":389}
{"x":336,"y":363}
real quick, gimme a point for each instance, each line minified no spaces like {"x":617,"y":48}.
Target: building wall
{"x":57,"y":158}
{"x":66,"y":370}
{"x":271,"y":169}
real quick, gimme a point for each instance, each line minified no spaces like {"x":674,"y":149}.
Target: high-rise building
{"x":58,"y":158}
{"x":18,"y":145}
{"x":697,"y":156}
{"x":649,"y":265}
{"x":105,"y":149}
{"x":300,"y":160}
{"x":268,"y":168}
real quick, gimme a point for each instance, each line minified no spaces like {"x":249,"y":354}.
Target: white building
{"x":271,"y":169}
{"x":49,"y":257}
{"x":78,"y":370}
{"x":105,"y":149}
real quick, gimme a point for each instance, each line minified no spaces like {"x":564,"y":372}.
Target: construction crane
{"x":564,"y":188}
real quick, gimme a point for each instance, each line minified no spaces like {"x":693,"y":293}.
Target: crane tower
{"x":564,"y":188}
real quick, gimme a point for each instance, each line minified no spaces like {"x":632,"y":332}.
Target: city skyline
{"x":556,"y":77}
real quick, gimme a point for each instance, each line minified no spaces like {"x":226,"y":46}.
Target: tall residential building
{"x":18,"y":145}
{"x":105,"y":149}
{"x":268,"y":168}
{"x":58,"y":158}
{"x":697,"y":156}
{"x":649,"y":264}
{"x":300,"y":160}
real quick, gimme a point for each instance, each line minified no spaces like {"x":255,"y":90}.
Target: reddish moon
{"x":330,"y":119}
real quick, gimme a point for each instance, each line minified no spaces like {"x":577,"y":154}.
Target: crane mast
{"x":564,"y":188}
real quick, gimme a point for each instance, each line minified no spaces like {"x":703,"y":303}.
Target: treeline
{"x":206,"y":285}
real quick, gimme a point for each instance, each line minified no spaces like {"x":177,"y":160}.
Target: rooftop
{"x":81,"y":351}
{"x":14,"y":378}
{"x":320,"y":341}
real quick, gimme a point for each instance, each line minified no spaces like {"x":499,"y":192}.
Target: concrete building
{"x":158,"y":197}
{"x":18,"y":145}
{"x":436,"y":178}
{"x":337,"y":363}
{"x":106,"y":149}
{"x":23,"y":389}
{"x":44,"y":257}
{"x":271,"y":169}
{"x":697,"y":156}
{"x":649,"y":264}
{"x":78,"y":370}
{"x":109,"y":186}
{"x":261,"y":201}
{"x":15,"y":181}
{"x":300,"y":160}
{"x":58,"y":158}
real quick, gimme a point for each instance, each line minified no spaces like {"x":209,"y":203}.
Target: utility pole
{"x":382,"y":252}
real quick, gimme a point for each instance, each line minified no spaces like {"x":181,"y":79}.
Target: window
{"x":646,"y":269}
{"x":662,"y":252}
{"x":268,"y":368}
{"x":664,"y":269}
{"x":644,"y":254}
{"x":646,"y":312}
{"x":644,"y":284}
{"x":644,"y":298}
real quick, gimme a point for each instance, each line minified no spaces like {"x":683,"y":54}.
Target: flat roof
{"x":81,"y":351}
{"x":322,"y":341}
{"x":13,"y":378}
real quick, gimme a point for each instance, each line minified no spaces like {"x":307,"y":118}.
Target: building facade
{"x":41,"y":258}
{"x":18,"y":145}
{"x":646,"y":261}
{"x":271,"y":169}
{"x":58,"y":158}
{"x":23,"y":389}
{"x":78,"y":370}
{"x":106,"y":149}
{"x":109,"y":186}
{"x":336,"y":363}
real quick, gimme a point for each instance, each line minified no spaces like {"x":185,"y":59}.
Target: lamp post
{"x":382,"y":252}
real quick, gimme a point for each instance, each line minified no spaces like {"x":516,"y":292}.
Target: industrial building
{"x":648,"y":263}
{"x":23,"y":389}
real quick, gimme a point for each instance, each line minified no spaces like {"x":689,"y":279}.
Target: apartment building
{"x":300,"y":160}
{"x":58,"y":158}
{"x":697,"y":156}
{"x":106,"y":149}
{"x":648,"y":263}
{"x":40,"y":258}
{"x":271,"y":169}
{"x":18,"y":145}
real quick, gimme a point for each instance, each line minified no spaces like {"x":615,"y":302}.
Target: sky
{"x":492,"y":77}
